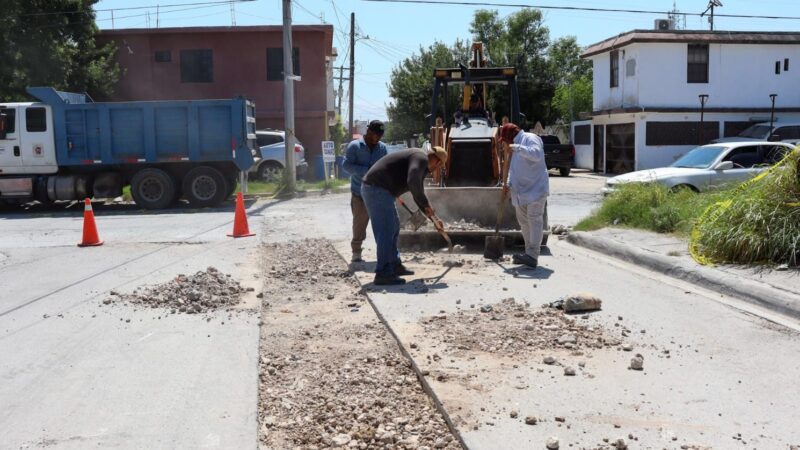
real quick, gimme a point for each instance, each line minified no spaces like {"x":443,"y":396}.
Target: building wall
{"x":652,"y":156}
{"x":584,"y":152}
{"x":239,"y":67}
{"x":740,"y":76}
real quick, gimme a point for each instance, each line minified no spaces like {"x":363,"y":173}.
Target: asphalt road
{"x":76,"y":374}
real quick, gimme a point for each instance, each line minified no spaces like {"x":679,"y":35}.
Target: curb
{"x":426,"y":387}
{"x":755,"y":292}
{"x":302,"y":194}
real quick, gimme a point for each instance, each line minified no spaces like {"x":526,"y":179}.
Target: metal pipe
{"x":772,"y":115}
{"x":703,"y":99}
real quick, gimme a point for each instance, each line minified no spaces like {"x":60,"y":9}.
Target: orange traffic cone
{"x":240,"y":228}
{"x":90,"y":237}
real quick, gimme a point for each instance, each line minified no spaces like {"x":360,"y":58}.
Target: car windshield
{"x":699,"y":158}
{"x":756,"y":132}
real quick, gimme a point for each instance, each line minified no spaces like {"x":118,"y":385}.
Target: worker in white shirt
{"x":529,"y":187}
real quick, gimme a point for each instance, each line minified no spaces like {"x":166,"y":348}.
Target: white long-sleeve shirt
{"x":527,"y":174}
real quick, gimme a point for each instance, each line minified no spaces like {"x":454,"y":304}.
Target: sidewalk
{"x":763,"y":286}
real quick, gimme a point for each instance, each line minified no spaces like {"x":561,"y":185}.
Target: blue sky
{"x":390,"y":32}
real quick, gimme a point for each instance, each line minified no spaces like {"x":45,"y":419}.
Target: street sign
{"x":328,"y":154}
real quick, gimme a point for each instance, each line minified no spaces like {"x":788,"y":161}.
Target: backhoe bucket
{"x":469,"y":214}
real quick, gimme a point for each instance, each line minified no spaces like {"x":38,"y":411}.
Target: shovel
{"x":417,"y":217}
{"x":495,"y":245}
{"x":444,"y":235}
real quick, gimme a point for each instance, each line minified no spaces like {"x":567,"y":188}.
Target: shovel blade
{"x":418,"y":219}
{"x":494,"y":247}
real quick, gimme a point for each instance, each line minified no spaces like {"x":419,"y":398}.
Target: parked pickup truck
{"x":557,"y":155}
{"x":67,"y":147}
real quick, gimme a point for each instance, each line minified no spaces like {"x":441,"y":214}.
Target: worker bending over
{"x":389,"y":178}
{"x":529,"y":185}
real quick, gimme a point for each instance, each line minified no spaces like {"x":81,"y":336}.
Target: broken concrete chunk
{"x":549,"y":360}
{"x":486,"y":308}
{"x":569,"y":371}
{"x":637,"y":363}
{"x":552,"y":443}
{"x":531,"y":420}
{"x":581,"y":302}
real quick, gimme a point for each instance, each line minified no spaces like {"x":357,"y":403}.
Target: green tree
{"x":573,"y":78}
{"x":520,"y":40}
{"x":411,"y":88}
{"x":51,"y":43}
{"x":338,"y":133}
{"x":574,"y":98}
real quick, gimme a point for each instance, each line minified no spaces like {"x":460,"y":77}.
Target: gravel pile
{"x":511,"y":328}
{"x":202,"y":292}
{"x":331,"y":376}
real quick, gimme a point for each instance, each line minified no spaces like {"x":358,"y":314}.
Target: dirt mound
{"x":202,"y":292}
{"x":510,"y":328}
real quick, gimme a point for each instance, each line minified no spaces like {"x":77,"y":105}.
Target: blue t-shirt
{"x":358,"y":159}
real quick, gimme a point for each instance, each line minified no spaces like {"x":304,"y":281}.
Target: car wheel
{"x":270,"y":171}
{"x":564,"y":171}
{"x":153,"y":188}
{"x":683,"y":187}
{"x":204,"y":186}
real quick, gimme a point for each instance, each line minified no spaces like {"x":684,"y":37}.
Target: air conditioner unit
{"x":664,"y":24}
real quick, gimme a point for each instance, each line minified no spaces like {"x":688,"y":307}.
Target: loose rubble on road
{"x":330,"y":374}
{"x":512,"y":328}
{"x":205,"y":291}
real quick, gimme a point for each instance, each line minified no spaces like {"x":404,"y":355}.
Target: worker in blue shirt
{"x":360,"y":155}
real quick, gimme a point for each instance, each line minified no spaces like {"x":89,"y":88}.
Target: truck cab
{"x":26,"y":139}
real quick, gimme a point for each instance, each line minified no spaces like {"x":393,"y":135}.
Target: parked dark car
{"x":557,"y":155}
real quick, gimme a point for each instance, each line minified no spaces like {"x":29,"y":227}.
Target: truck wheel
{"x":204,"y":186}
{"x":564,"y":171}
{"x":233,"y":183}
{"x":270,"y":171}
{"x":153,"y":189}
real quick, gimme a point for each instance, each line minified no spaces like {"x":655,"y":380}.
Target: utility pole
{"x":340,"y":92}
{"x":288,"y":97}
{"x":710,"y":8}
{"x":352,"y":73}
{"x":233,"y":14}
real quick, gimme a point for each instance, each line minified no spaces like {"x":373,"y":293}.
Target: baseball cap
{"x":376,"y":126}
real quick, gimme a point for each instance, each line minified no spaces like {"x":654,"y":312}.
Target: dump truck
{"x":68,"y":147}
{"x":468,"y":189}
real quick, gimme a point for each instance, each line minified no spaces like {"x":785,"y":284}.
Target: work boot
{"x":356,"y":257}
{"x":401,"y":270}
{"x":527,"y":260}
{"x":516,"y":258}
{"x":388,"y":280}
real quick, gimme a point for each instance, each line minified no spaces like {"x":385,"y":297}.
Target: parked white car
{"x":273,"y":156}
{"x":710,"y":166}
{"x":785,"y":132}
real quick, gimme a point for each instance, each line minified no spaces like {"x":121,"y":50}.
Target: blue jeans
{"x":385,"y":226}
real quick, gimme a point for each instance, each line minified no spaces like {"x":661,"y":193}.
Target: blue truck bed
{"x":112,"y":133}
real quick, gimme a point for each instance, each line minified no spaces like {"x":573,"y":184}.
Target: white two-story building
{"x":647,"y":88}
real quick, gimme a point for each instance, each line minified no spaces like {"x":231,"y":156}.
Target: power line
{"x":581,"y":8}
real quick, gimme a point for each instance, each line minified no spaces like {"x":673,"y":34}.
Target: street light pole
{"x":703,"y":99}
{"x":772,"y":115}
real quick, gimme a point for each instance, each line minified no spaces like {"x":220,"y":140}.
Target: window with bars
{"x":697,"y":66}
{"x":275,"y":63}
{"x":614,"y":66}
{"x":197,"y":66}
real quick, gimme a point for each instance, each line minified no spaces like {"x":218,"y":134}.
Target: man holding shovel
{"x":390,"y":177}
{"x":529,"y":187}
